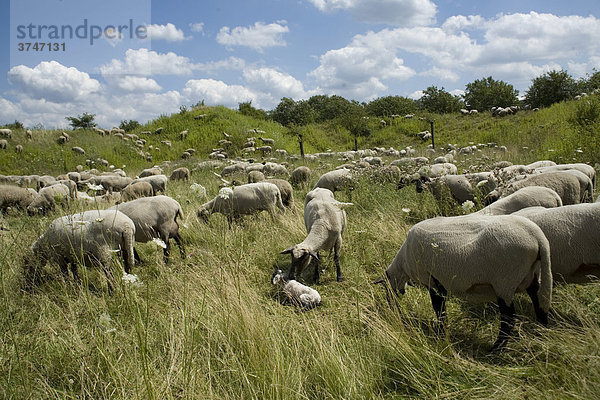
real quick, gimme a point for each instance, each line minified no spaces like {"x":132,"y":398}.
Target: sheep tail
{"x":545,"y":290}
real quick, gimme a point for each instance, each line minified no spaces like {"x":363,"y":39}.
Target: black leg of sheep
{"x":438,"y":302}
{"x":507,"y":322}
{"x":540,"y":315}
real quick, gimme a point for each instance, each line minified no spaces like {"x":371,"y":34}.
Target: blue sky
{"x":225,"y":52}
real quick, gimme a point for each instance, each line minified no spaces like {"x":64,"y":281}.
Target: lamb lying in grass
{"x":296,"y":293}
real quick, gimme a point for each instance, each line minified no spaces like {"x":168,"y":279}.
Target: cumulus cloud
{"x":275,"y":83}
{"x":149,"y":62}
{"x":53,"y":81}
{"x":215,"y":92}
{"x":129,"y":83}
{"x":257,"y":37}
{"x":230,"y":63}
{"x":392,"y":12}
{"x":168,"y":32}
{"x":197,"y":27}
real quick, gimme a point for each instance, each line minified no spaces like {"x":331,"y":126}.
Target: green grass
{"x":210,"y":326}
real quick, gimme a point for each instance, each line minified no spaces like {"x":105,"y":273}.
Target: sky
{"x":176,"y":53}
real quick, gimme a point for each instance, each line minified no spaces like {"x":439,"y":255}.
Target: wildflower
{"x":160,"y":243}
{"x":406,"y":210}
{"x":468,"y":205}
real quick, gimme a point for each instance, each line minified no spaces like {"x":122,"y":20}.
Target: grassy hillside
{"x":210,"y":326}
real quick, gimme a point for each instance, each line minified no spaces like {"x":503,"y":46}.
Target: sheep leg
{"x":317,"y":274}
{"x":540,"y":315}
{"x":438,"y":302}
{"x":336,"y":259}
{"x":136,"y":256}
{"x":180,"y":244}
{"x":167,"y":249}
{"x":507,"y":322}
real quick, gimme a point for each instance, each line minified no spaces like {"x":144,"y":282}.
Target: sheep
{"x":458,"y":185}
{"x":13,"y":196}
{"x":267,"y":141}
{"x":296,"y":293}
{"x":300,"y":176}
{"x":185,"y":155}
{"x":243,"y":200}
{"x":286,"y":190}
{"x":272,"y":169}
{"x":3,"y":144}
{"x":584,"y":168}
{"x":19,"y":148}
{"x":136,"y":190}
{"x":47,"y":197}
{"x":478,"y":257}
{"x":335,"y":180}
{"x":255,"y":176}
{"x":572,"y":233}
{"x":325,"y":222}
{"x":150,"y":171}
{"x":158,"y":131}
{"x":437,"y":170}
{"x":78,"y":150}
{"x":264,"y":149}
{"x":529,"y":196}
{"x":155,"y":217}
{"x":6,"y":133}
{"x":183,"y":134}
{"x":158,"y":182}
{"x":114,"y":183}
{"x":180,"y":174}
{"x":74,"y":176}
{"x":566,"y":186}
{"x":89,"y":238}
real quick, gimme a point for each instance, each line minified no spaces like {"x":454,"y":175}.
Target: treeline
{"x":481,"y":94}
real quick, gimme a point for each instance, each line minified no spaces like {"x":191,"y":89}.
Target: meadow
{"x":210,"y":325}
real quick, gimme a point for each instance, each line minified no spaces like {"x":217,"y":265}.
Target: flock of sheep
{"x":534,"y":229}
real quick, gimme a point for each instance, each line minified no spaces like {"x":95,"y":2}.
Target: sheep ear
{"x":380,"y":280}
{"x":314,"y":255}
{"x":288,"y":250}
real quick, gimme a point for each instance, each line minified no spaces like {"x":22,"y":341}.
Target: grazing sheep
{"x":437,"y":170}
{"x":47,"y":197}
{"x":3,"y":144}
{"x":74,"y":176}
{"x":264,"y":149}
{"x":158,"y":182}
{"x":458,"y":186}
{"x":185,"y":155}
{"x":136,"y":190}
{"x":150,"y":171}
{"x":286,"y":190}
{"x":180,"y":174}
{"x":572,"y":233}
{"x":529,"y":196}
{"x":267,"y":141}
{"x":243,"y":200}
{"x":478,"y":257}
{"x":90,"y":238}
{"x":325,"y":222}
{"x":296,"y":293}
{"x":114,"y":183}
{"x":273,"y":169}
{"x":335,"y":180}
{"x":566,"y":186}
{"x":183,"y":134}
{"x":155,"y":217}
{"x":255,"y":176}
{"x":13,"y":196}
{"x":584,"y":168}
{"x":78,"y":150}
{"x":6,"y":133}
{"x":19,"y":148}
{"x":300,"y":176}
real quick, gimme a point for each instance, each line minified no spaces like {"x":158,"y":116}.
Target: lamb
{"x":478,"y":257}
{"x":47,"y":197}
{"x":13,"y":196}
{"x":89,"y":238}
{"x":566,"y":186}
{"x":255,"y":176}
{"x":137,"y":190}
{"x":335,"y":180}
{"x":300,"y":176}
{"x":158,"y":182}
{"x":572,"y":233}
{"x":180,"y":174}
{"x":529,"y":196}
{"x":296,"y":293}
{"x":325,"y":222}
{"x":243,"y":200}
{"x":155,"y":217}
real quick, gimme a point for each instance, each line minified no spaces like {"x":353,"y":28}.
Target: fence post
{"x":301,"y":145}
{"x":432,"y":135}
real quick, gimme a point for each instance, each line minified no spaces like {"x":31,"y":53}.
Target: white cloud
{"x":197,"y":27}
{"x":231,"y":63}
{"x":457,"y":92}
{"x":168,"y":32}
{"x":129,"y":83}
{"x":149,"y":62}
{"x":393,"y":12}
{"x":441,"y":73}
{"x":276,"y":83}
{"x":53,"y":81}
{"x":457,"y":23}
{"x":257,"y":37}
{"x":215,"y":92}
{"x":416,"y":95}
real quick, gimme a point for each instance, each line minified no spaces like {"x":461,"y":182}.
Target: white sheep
{"x":529,"y":196}
{"x":300,"y":176}
{"x":6,"y":133}
{"x":296,"y":293}
{"x":3,"y":144}
{"x":335,"y":180}
{"x":179,"y":174}
{"x":89,"y":238}
{"x":47,"y":197}
{"x":325,"y":222}
{"x":158,"y":182}
{"x":478,"y":257}
{"x":155,"y":217}
{"x":136,"y":190}
{"x":78,"y":150}
{"x":243,"y":200}
{"x":572,"y":231}
{"x":13,"y":196}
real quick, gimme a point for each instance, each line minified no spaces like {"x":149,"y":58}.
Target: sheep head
{"x":203,"y":214}
{"x":301,"y":258}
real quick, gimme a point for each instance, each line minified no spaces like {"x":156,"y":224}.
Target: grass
{"x":209,"y":326}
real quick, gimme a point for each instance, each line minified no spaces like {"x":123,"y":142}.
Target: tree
{"x":439,"y":101}
{"x":289,"y":112}
{"x":17,"y":125}
{"x":130,"y":125}
{"x":486,"y":93}
{"x":391,"y":105}
{"x":83,"y":121}
{"x":327,"y":108}
{"x":551,"y":87}
{"x":591,"y":83}
{"x":247,"y":109}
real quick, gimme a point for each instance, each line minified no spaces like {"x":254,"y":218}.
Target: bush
{"x":486,"y":93}
{"x":130,"y":125}
{"x":551,"y":87}
{"x":83,"y":121}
